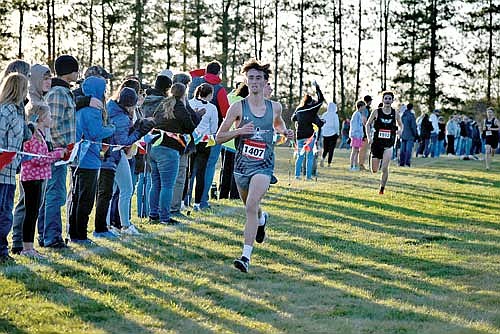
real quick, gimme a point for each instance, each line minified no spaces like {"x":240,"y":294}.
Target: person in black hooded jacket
{"x":305,"y":116}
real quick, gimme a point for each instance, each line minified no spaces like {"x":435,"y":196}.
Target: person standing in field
{"x":356,"y":134}
{"x":386,"y":122}
{"x":256,"y":120}
{"x":490,"y":133}
{"x":330,"y":132}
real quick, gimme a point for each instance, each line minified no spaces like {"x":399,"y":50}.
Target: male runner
{"x":386,"y":122}
{"x":256,"y":119}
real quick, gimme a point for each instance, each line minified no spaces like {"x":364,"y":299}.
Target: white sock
{"x":262,"y":219}
{"x":247,"y":251}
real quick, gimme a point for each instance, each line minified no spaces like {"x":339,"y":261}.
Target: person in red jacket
{"x":211,"y":76}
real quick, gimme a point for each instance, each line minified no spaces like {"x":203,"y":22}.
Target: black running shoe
{"x":59,"y":244}
{"x":16,"y":250}
{"x":242,"y":264}
{"x":274,"y":179}
{"x":261,"y":230}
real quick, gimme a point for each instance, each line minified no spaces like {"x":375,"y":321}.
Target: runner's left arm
{"x":279,"y":123}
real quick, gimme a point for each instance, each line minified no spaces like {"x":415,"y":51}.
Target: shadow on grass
{"x":7,"y":326}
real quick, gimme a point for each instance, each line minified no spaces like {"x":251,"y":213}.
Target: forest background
{"x":435,"y":53}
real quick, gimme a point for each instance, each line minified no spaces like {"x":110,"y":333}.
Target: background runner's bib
{"x":255,"y":154}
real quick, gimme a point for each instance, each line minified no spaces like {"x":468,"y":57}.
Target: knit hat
{"x":167,"y":73}
{"x":128,"y":97}
{"x":98,"y":71}
{"x":163,"y":83}
{"x":66,"y":64}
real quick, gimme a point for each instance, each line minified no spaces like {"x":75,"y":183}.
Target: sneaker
{"x":154,"y":220}
{"x":178,"y":214}
{"x":41,"y":243}
{"x":6,"y":259}
{"x":242,"y":264}
{"x":131,"y":230}
{"x":171,"y":221}
{"x":261,"y":230}
{"x":16,"y":250}
{"x":354,"y":169}
{"x":274,"y":179}
{"x":107,"y":234}
{"x":84,"y":242}
{"x":33,"y":253}
{"x":114,"y":230}
{"x":57,"y":245}
{"x":381,"y":191}
{"x":196,"y":207}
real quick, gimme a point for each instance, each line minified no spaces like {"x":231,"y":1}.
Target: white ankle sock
{"x":262,"y":219}
{"x":247,"y":251}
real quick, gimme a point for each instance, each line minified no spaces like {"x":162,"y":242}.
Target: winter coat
{"x":124,"y":133}
{"x":409,"y":126}
{"x":90,"y":125}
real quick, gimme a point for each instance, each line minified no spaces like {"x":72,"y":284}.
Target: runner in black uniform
{"x":256,"y":120}
{"x":387,"y":121}
{"x":490,"y":134}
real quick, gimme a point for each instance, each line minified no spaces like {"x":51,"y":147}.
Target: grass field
{"x":339,"y":258}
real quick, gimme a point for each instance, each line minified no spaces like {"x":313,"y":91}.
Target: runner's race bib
{"x":254,"y":149}
{"x":384,"y":134}
{"x":488,"y":132}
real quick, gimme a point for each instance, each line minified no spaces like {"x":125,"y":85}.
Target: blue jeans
{"x":344,"y":144}
{"x":164,"y":169}
{"x":209,"y":173}
{"x":143,"y":190}
{"x":434,"y":146}
{"x":6,"y":206}
{"x":300,"y":158}
{"x":123,"y":181}
{"x":55,"y":197}
{"x":405,"y":153}
{"x":439,"y":148}
{"x":465,"y":145}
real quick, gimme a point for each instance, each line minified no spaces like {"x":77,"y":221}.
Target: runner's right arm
{"x":233,"y":115}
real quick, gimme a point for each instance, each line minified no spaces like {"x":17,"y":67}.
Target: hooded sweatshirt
{"x":90,"y":125}
{"x":152,"y":101}
{"x":331,"y":119}
{"x":37,"y":105}
{"x":220,"y":99}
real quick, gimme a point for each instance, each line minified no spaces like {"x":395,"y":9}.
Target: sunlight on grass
{"x":339,"y":258}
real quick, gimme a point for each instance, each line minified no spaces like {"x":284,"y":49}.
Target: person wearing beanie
{"x":115,"y":168}
{"x":155,"y":95}
{"x":63,"y":132}
{"x":168,"y":73}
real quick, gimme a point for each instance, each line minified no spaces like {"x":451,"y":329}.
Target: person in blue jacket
{"x":115,"y":169}
{"x":91,"y":129}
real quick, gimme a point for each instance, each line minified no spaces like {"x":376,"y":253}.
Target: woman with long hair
{"x":172,"y":120}
{"x":13,"y":92}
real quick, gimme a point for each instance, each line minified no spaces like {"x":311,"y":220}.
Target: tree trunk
{"x":301,"y":58}
{"x":490,"y":52}
{"x":169,"y":15}
{"x":53,"y":29}
{"x":255,"y":28}
{"x":386,"y":37}
{"x":103,"y":54}
{"x":275,"y":48}
{"x":198,"y":34}
{"x":290,"y":84}
{"x":21,"y":23}
{"x":225,"y":39}
{"x":359,"y":51}
{"x":342,"y":86}
{"x":261,"y":28}
{"x":433,"y":53}
{"x":334,"y":53}
{"x":184,"y":37}
{"x":92,"y":33}
{"x":50,"y":59}
{"x":235,"y":41}
{"x":381,"y":36}
{"x":413,"y":56}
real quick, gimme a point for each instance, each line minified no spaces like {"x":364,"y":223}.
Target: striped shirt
{"x":11,"y":138}
{"x":63,"y":111}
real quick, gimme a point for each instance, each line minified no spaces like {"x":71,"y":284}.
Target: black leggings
{"x":32,"y":199}
{"x":329,"y":144}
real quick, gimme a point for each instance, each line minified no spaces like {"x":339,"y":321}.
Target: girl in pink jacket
{"x":33,"y":173}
